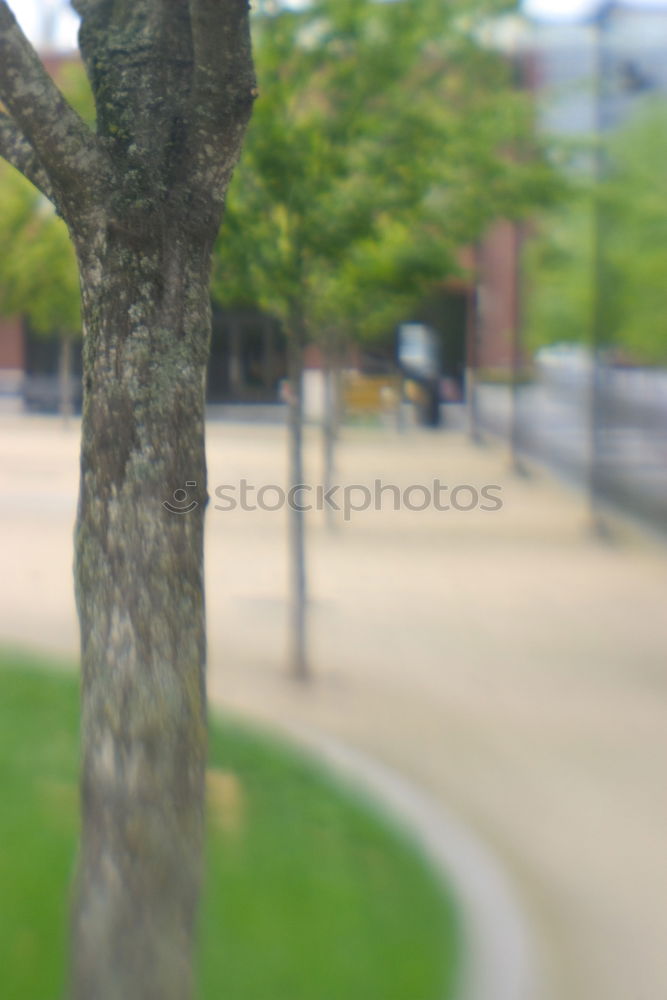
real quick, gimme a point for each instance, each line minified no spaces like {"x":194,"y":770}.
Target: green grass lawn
{"x":310,"y":895}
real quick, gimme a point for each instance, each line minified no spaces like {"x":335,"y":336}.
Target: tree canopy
{"x":629,"y":207}
{"x":386,"y":137}
{"x":38,"y":273}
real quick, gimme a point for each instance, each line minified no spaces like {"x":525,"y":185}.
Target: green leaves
{"x":629,"y":209}
{"x":634,"y":214}
{"x":385,"y":138}
{"x":38,"y":273}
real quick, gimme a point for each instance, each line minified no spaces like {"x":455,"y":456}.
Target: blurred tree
{"x":559,"y":273}
{"x":38,"y":273}
{"x":630,"y":205}
{"x":635,"y":207}
{"x":387,"y":136}
{"x":381,"y":279}
{"x":142,"y":195}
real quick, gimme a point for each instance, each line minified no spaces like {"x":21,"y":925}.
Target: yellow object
{"x":370,"y":393}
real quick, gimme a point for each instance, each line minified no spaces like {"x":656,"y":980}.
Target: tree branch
{"x":224,"y":85}
{"x":223,"y":55}
{"x":62,"y":142}
{"x":16,"y":149}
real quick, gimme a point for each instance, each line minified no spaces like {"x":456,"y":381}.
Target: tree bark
{"x":298,"y":656}
{"x":143,"y":198}
{"x":234,"y":357}
{"x":516,"y":361}
{"x":331,"y":354}
{"x":268,"y":353}
{"x":139,"y":583}
{"x":65,"y":378}
{"x":474,"y":332}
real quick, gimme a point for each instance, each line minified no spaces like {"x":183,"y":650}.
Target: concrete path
{"x":501,"y":661}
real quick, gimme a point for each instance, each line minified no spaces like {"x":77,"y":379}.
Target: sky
{"x":572,"y":9}
{"x":31,"y":13}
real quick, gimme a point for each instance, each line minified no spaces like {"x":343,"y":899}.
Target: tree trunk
{"x":268,"y":353}
{"x":472,"y":360}
{"x":143,"y":198}
{"x":139,"y":584}
{"x":65,"y":377}
{"x":331,"y":419}
{"x":516,"y":464}
{"x":298,"y":587}
{"x":235,"y":361}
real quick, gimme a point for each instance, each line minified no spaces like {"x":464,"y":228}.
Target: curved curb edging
{"x":498,"y":959}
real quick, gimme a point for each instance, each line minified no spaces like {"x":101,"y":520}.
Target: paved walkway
{"x":508,"y":665}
